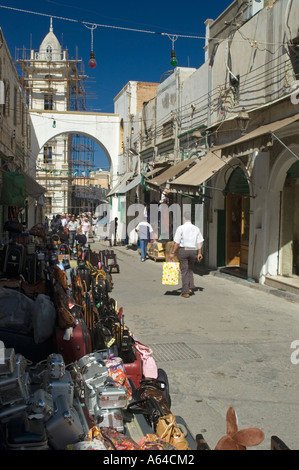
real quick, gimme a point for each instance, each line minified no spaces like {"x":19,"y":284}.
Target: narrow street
{"x":228,"y":345}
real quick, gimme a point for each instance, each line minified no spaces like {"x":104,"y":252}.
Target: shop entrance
{"x":237,"y":220}
{"x":290,"y":223}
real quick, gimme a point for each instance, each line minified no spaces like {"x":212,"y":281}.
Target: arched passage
{"x":102,"y":128}
{"x":283,"y":243}
{"x":66,"y":136}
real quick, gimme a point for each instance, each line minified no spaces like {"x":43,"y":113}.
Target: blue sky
{"x":131,"y":40}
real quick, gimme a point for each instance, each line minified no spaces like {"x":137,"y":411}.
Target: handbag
{"x":38,"y":230}
{"x":149,"y":365}
{"x":13,"y":226}
{"x":168,"y":430}
{"x":171,"y":274}
{"x":150,"y":408}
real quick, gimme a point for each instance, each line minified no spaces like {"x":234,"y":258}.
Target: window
{"x":168,"y":129}
{"x":49,"y":52}
{"x":48,"y":102}
{"x":48,"y":154}
{"x":17,"y":106}
{"x":6,"y":110}
{"x":48,"y":203}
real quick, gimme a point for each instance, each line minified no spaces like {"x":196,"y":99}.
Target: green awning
{"x":13,"y":191}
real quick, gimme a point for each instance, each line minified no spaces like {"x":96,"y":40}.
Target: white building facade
{"x":234,"y":123}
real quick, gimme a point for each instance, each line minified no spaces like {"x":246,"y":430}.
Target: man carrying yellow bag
{"x":188,"y":242}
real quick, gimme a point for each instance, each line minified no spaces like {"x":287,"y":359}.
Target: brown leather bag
{"x":38,"y":230}
{"x":168,"y":430}
{"x":156,"y":394}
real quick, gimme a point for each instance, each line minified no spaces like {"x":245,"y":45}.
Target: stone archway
{"x":282,"y":192}
{"x":67,"y":188}
{"x":102,"y":128}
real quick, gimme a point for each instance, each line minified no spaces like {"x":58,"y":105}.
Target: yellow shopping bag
{"x":171,"y":274}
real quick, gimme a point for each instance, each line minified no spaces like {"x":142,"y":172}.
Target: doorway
{"x":237,"y":230}
{"x":237,"y":220}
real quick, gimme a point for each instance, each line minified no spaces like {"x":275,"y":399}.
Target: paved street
{"x":228,"y":345}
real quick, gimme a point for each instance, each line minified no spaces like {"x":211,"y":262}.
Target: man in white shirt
{"x":144,"y":230}
{"x":73,"y":225}
{"x":188,"y":241}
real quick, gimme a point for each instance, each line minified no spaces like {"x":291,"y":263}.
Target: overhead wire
{"x":123,"y":28}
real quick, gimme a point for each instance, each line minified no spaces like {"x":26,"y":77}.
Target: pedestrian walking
{"x":144,"y":230}
{"x":94,"y":221}
{"x":85,"y":226}
{"x":188,"y":242}
{"x":55,"y":223}
{"x":113,"y":232}
{"x":72,"y":226}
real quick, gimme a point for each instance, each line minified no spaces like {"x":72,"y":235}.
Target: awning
{"x":171,"y":172}
{"x":115,"y":189}
{"x":157,"y":170}
{"x":126,"y":187}
{"x":33,"y":188}
{"x":201,"y":171}
{"x":258,"y":139}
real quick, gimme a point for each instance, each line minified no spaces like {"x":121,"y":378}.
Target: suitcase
{"x":63,"y":386}
{"x":55,"y":366}
{"x":14,"y":388}
{"x":111,"y":396}
{"x":41,"y":403}
{"x":110,"y":418}
{"x":85,"y":276}
{"x":7,"y":361}
{"x":110,"y":261}
{"x":14,"y":260}
{"x":64,"y":427}
{"x":134,"y":370}
{"x":30,"y":271}
{"x":75,"y":345}
{"x":26,"y":434}
{"x":24,"y":344}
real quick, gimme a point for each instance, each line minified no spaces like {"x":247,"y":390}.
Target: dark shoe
{"x":185,"y":295}
{"x":191,"y":291}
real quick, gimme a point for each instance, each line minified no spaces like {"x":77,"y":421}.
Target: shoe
{"x":185,"y":295}
{"x":143,"y":260}
{"x":191,"y":291}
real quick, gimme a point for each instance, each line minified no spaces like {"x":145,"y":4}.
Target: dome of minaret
{"x":50,"y":48}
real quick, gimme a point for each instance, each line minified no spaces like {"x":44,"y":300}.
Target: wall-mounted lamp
{"x":243,"y":121}
{"x":54,"y":124}
{"x":133,"y":152}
